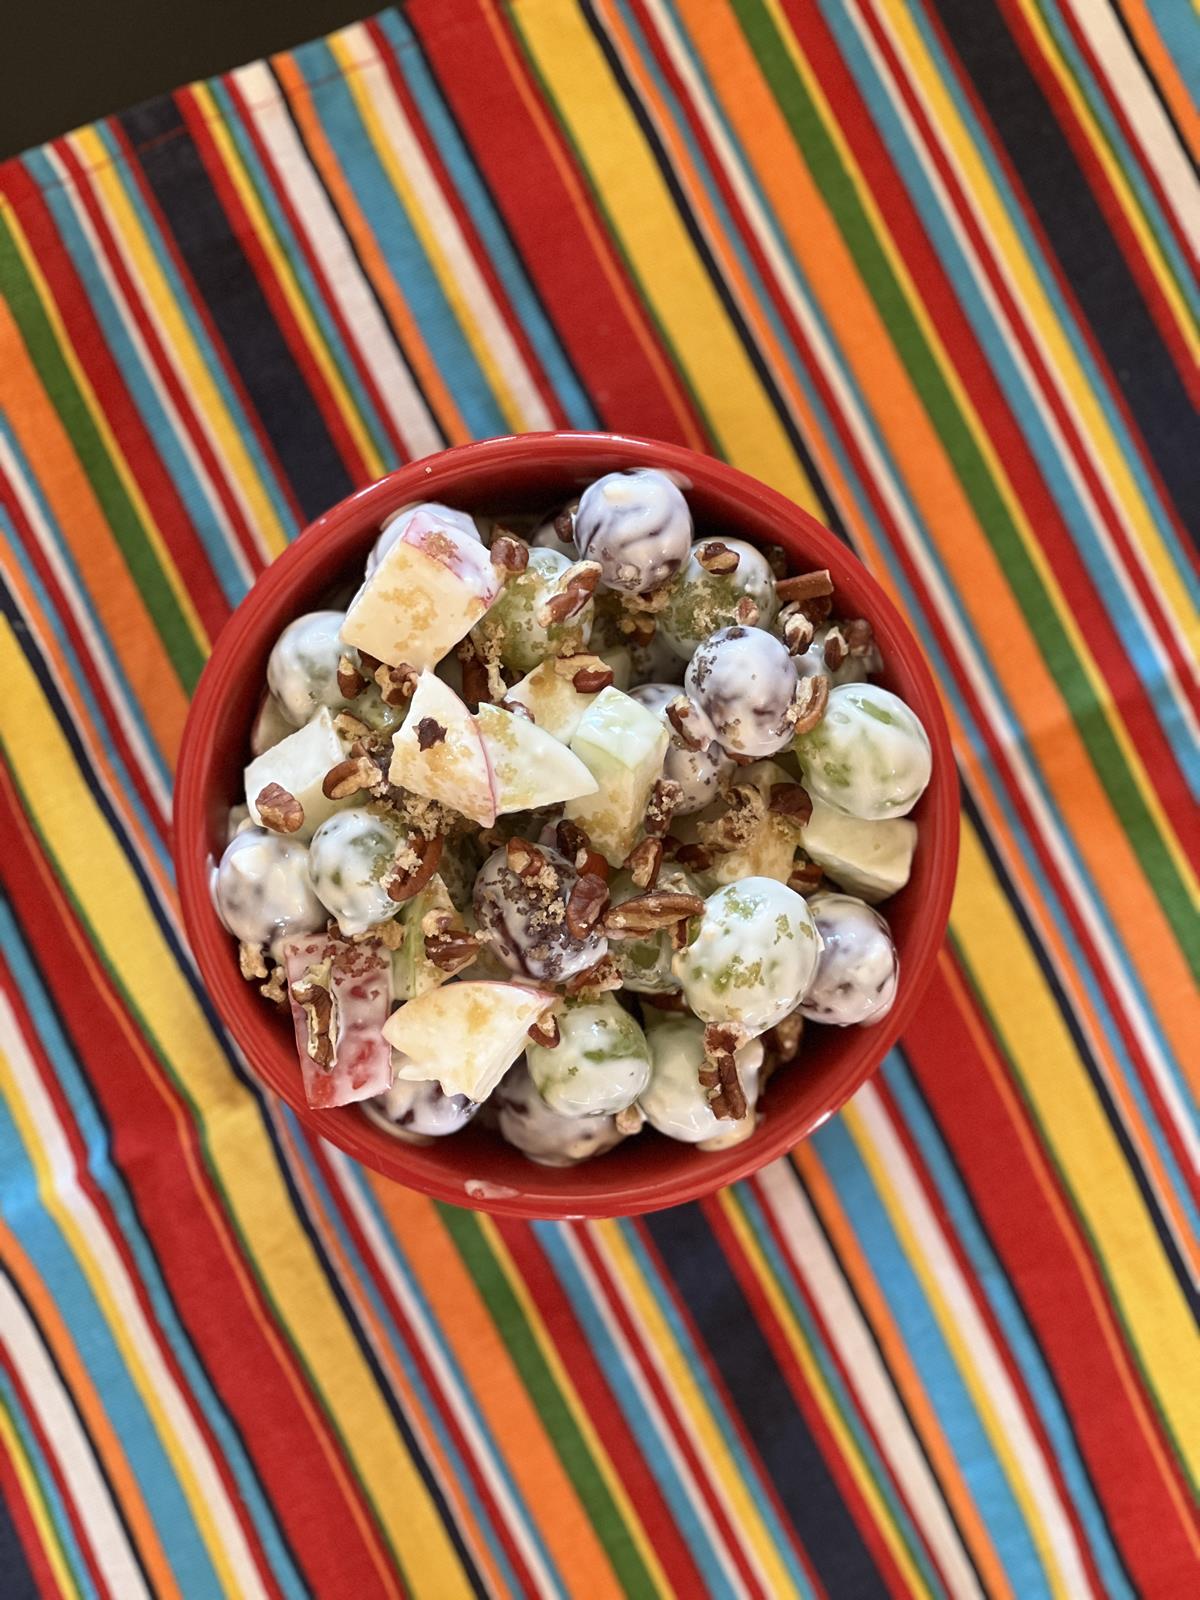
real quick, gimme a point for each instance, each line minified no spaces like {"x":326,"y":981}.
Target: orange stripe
{"x":1164,"y":71}
{"x":100,"y":567}
{"x":902,"y":1371}
{"x":497,"y":1392}
{"x":975,"y":571}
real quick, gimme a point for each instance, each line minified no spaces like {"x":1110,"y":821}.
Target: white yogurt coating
{"x":302,"y":673}
{"x":858,"y":971}
{"x":546,"y":1136}
{"x":637,"y":526}
{"x":702,"y":602}
{"x":511,"y":625}
{"x":419,"y":1112}
{"x":674,"y":1101}
{"x":262,"y":889}
{"x":753,"y":956}
{"x":854,"y":669}
{"x":393,"y":526}
{"x":746,"y":681}
{"x":699,"y":773}
{"x":869,"y":756}
{"x":349,"y":861}
{"x":600,"y":1064}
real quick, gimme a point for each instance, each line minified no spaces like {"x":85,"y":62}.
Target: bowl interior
{"x":534,"y":472}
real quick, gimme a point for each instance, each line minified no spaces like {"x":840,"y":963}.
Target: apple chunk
{"x":298,"y":764}
{"x":439,"y":753}
{"x":623,"y":746}
{"x":340,"y":993}
{"x":427,"y":592}
{"x":530,"y":767}
{"x":464,"y":1035}
{"x":551,"y":699}
{"x":870,"y":859}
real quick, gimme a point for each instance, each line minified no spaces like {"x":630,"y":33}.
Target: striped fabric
{"x":927,"y":266}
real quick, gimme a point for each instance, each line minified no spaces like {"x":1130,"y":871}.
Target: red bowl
{"x":475,"y":1168}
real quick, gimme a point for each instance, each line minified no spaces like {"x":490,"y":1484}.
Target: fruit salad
{"x":571,"y":826}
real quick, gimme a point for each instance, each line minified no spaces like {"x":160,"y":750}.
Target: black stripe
{"x":1081,"y":238}
{"x":829,"y":513}
{"x":15,"y":1573}
{"x":286,"y":408}
{"x":766,"y":1407}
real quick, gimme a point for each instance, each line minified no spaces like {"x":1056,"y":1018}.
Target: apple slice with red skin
{"x":357,"y":979}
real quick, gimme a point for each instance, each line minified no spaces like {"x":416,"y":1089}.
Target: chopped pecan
{"x":278,"y":809}
{"x":806,"y":586}
{"x":429,"y":733}
{"x":250,"y":960}
{"x":573,"y":842}
{"x":572,"y":666}
{"x":859,"y":636}
{"x":717,"y":558}
{"x":570,"y":594}
{"x":275,"y":988}
{"x":746,"y":612}
{"x":644,"y":862}
{"x":390,"y":934}
{"x":475,"y":685}
{"x":546,"y":1032}
{"x":590,"y":680}
{"x":719,"y":1074}
{"x":564,"y":525}
{"x":790,"y":800}
{"x":517,"y":708}
{"x":796,"y":629}
{"x":396,"y":684}
{"x":524,"y":858}
{"x":812,"y":696}
{"x":509,"y":554}
{"x":783,"y":1040}
{"x":671,"y":1001}
{"x":410,"y":880}
{"x":683,"y":717}
{"x":599,"y":978}
{"x":369,"y":664}
{"x":630,"y":1120}
{"x":694,"y":856}
{"x":316,"y":1002}
{"x":776,"y":559}
{"x":350,"y":727}
{"x":350,"y":680}
{"x":585,"y":905}
{"x":664,"y":798}
{"x":805,"y":876}
{"x":639,"y":629}
{"x":835,"y":649}
{"x":348,"y":777}
{"x":648,"y":913}
{"x":680,"y":933}
{"x":451,"y":950}
{"x":738,"y":823}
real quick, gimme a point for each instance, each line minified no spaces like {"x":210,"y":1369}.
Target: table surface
{"x":928,"y":269}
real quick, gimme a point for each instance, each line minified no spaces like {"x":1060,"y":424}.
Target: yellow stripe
{"x":1102,"y":698}
{"x":1074,"y":1125}
{"x":98,"y":877}
{"x":202,"y":390}
{"x":730,"y":1483}
{"x":951,"y":1332}
{"x":1028,"y":290}
{"x":289,"y":283}
{"x":1098,"y":143}
{"x":645,"y":219}
{"x":599,"y":1455}
{"x":357,"y":71}
{"x":108,"y":439}
{"x":35,"y":1500}
{"x":881,"y":1514}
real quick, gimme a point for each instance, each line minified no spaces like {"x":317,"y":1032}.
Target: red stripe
{"x":595,"y":306}
{"x":840,"y":1471}
{"x":135,"y":304}
{"x":1010,"y":445}
{"x":50,"y":1456}
{"x":135,"y":443}
{"x":602,"y":1407}
{"x":250,"y":242}
{"x":232,"y":1327}
{"x":1008,"y":1174}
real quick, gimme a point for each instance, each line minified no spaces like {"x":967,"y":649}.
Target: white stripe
{"x":945,"y":604}
{"x":442,"y":222}
{"x":1144,"y":113}
{"x":146,"y":1367}
{"x":516,"y":1519}
{"x":973,"y":1335}
{"x":88,"y":1493}
{"x":865,"y":1373}
{"x":373,"y":338}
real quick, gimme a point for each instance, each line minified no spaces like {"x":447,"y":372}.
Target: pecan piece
{"x":719,"y":1074}
{"x":409,"y":880}
{"x":570,"y":594}
{"x":805,"y":876}
{"x":738,"y":823}
{"x":475,"y":685}
{"x":573,"y":842}
{"x":350,"y":727}
{"x":316,"y":1002}
{"x":600,"y":977}
{"x":797,"y":630}
{"x":590,"y":680}
{"x":812,"y":696}
{"x":348,"y":777}
{"x":546,"y":1032}
{"x":859,"y":636}
{"x":517,"y":708}
{"x":783,"y":1040}
{"x":644,"y":863}
{"x":586,"y":904}
{"x":275,"y":988}
{"x":790,"y":800}
{"x":278,"y":809}
{"x":664,"y":797}
{"x":836,"y":649}
{"x":694,"y":856}
{"x":429,"y":733}
{"x":806,"y":586}
{"x":639,"y":629}
{"x":671,"y":1001}
{"x":523,"y":858}
{"x":350,"y":680}
{"x":452,"y":949}
{"x":509,"y":554}
{"x":396,"y":684}
{"x":776,"y":559}
{"x":682,"y":716}
{"x":649,"y":913}
{"x":717,"y":558}
{"x":250,"y":961}
{"x":746,"y":612}
{"x":630,"y":1119}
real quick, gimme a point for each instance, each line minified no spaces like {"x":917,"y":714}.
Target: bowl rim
{"x":352,"y":1132}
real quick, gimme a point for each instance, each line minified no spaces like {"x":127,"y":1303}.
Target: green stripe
{"x":64,"y":394}
{"x":836,"y":185}
{"x":511,"y":1322}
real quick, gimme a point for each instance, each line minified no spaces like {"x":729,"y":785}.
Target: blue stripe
{"x":63,"y":1531}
